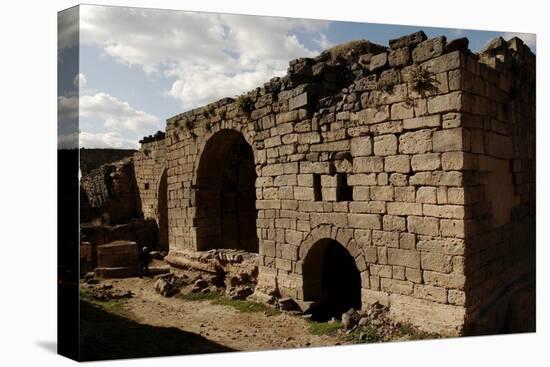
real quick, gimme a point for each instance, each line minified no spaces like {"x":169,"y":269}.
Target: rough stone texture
{"x":431,"y":191}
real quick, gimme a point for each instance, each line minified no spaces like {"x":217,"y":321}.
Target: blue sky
{"x":139,"y":67}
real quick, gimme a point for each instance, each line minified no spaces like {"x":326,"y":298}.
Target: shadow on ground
{"x":108,"y":336}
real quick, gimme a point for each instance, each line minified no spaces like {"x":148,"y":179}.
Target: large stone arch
{"x":322,"y":242}
{"x":224,"y":192}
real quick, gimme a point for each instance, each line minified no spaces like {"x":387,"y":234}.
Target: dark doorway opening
{"x":331,"y":280}
{"x":226,"y":194}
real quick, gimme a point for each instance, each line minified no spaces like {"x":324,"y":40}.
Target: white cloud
{"x":116,"y":115}
{"x":110,"y":139}
{"x":458,"y":32}
{"x":205,"y":56}
{"x":530,"y":39}
{"x":80,"y":81}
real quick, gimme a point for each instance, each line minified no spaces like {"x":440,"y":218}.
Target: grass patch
{"x":366,"y":334}
{"x":247,"y":306}
{"x":239,"y":305}
{"x":111,"y":305}
{"x":324,"y":328}
{"x":413,"y":333}
{"x":198,"y":296}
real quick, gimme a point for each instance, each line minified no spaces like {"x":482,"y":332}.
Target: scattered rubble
{"x":106,"y":293}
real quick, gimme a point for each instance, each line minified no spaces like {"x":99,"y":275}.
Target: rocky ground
{"x":124,"y":318}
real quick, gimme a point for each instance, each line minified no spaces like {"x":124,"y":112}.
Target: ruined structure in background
{"x":401,"y":175}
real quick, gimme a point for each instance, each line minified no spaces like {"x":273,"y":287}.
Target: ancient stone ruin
{"x":401,"y":175}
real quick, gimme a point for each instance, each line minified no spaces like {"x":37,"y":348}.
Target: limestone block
{"x":394,"y":223}
{"x":416,"y":142}
{"x":398,"y":272}
{"x":430,"y":293}
{"x":409,"y":40}
{"x":304,"y":180}
{"x":298,"y":101}
{"x":397,"y":163}
{"x":363,"y":239}
{"x":457,"y":297}
{"x":423,"y":225}
{"x":375,"y":115}
{"x":272,"y":170}
{"x":303,"y":193}
{"x":453,"y":228}
{"x":371,"y":206}
{"x":293,"y":237}
{"x":362,"y":179}
{"x":439,"y":318}
{"x":364,"y":221}
{"x":451,"y":140}
{"x":436,"y":261}
{"x":378,"y":61}
{"x":426,"y":194}
{"x":408,"y":258}
{"x":382,"y":193}
{"x":399,"y":57}
{"x":329,"y":193}
{"x":396,"y":286}
{"x":445,"y":103}
{"x":283,"y":264}
{"x":398,"y":179}
{"x":452,"y":60}
{"x":421,"y":122}
{"x":369,"y":296}
{"x":449,"y":246}
{"x":426,"y":162}
{"x":402,"y":110}
{"x":361,"y":193}
{"x":405,"y":194}
{"x":429,"y":49}
{"x":383,"y":238}
{"x":361,"y":146}
{"x":398,"y":208}
{"x":414,"y":275}
{"x":287,"y":251}
{"x":444,"y":211}
{"x":451,"y":280}
{"x":368,"y":164}
{"x":370,"y":254}
{"x":267,"y":248}
{"x":382,"y":253}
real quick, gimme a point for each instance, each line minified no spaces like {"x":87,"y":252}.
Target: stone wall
{"x":151,"y":178}
{"x":418,"y":159}
{"x":108,"y":194}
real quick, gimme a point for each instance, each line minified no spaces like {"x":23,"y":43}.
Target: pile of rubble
{"x":375,"y":324}
{"x":106,"y":293}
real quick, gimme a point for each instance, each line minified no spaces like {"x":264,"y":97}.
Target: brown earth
{"x":221,"y":324}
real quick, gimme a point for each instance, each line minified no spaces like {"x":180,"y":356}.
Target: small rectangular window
{"x":317,"y":187}
{"x":146,"y":185}
{"x":344,"y":192}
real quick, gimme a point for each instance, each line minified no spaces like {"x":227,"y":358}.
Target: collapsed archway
{"x":225,"y":194}
{"x":331,"y":280}
{"x":162,"y":209}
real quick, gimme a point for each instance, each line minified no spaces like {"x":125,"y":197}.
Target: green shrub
{"x":244,"y":103}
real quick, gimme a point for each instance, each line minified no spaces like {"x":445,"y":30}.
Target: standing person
{"x":143,"y":261}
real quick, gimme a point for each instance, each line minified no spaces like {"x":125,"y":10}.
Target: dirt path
{"x":219,"y":323}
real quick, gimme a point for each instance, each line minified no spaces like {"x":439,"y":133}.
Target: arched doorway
{"x":331,"y":280}
{"x":162,"y":208}
{"x":225,"y":194}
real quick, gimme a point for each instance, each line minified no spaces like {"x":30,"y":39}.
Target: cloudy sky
{"x":139,"y":67}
